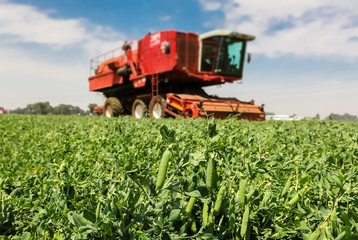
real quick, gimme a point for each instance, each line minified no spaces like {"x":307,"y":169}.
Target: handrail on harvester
{"x":96,"y":61}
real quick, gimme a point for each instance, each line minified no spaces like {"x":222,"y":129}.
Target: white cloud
{"x":298,"y":27}
{"x":23,"y":23}
{"x":210,"y":5}
{"x":47,"y":59}
{"x":26,"y":24}
{"x":165,"y":18}
{"x":29,"y":76}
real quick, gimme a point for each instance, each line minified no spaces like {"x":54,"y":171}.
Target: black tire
{"x":157,"y":107}
{"x":112,"y":107}
{"x":139,"y":109}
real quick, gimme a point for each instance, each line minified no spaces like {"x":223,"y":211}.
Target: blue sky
{"x":305,"y":56}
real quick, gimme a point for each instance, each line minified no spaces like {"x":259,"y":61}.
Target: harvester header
{"x":164,"y":76}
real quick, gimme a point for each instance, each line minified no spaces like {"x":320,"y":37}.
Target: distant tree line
{"x":344,"y":117}
{"x":44,"y":108}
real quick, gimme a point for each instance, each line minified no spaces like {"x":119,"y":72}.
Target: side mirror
{"x":248,"y":57}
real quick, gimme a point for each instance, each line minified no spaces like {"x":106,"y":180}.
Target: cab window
{"x":230,"y":57}
{"x":208,"y":56}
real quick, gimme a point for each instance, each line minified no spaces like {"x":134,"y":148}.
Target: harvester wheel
{"x":139,"y":109}
{"x":156,"y":107}
{"x":112,"y":107}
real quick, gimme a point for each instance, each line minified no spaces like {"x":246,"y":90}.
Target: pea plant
{"x":71,"y":177}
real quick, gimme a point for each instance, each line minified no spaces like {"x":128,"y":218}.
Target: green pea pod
{"x":245,"y":222}
{"x":193,"y":227}
{"x":190,"y":205}
{"x":210,"y":172}
{"x":232,"y":214}
{"x":333,"y":220}
{"x":242,"y":189}
{"x":266,"y":197}
{"x":219,"y":200}
{"x":287,"y":186}
{"x":162,"y":172}
{"x":210,"y":219}
{"x":205,"y":214}
{"x":98,"y":211}
{"x":294,"y":199}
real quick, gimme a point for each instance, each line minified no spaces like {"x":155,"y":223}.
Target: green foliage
{"x":70,"y":177}
{"x":67,"y":109}
{"x":91,"y":107}
{"x":44,"y":108}
{"x":344,"y":117}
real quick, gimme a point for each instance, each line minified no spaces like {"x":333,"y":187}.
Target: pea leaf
{"x":194,"y":193}
{"x":174,"y":214}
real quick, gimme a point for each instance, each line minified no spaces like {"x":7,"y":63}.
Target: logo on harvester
{"x":154,"y":39}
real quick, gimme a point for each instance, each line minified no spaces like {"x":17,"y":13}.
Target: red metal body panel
{"x":150,"y":58}
{"x":104,"y":81}
{"x":151,"y":55}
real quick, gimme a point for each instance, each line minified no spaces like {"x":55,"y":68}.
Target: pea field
{"x":71,"y":177}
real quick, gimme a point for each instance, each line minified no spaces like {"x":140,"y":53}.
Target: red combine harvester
{"x":165,"y":76}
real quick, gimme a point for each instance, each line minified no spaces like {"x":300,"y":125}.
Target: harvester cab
{"x":223,"y":53}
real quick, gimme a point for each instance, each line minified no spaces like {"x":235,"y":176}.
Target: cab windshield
{"x":223,"y":56}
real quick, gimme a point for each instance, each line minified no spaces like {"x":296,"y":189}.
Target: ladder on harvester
{"x":155,"y":85}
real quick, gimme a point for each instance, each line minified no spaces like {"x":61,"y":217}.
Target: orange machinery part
{"x":194,"y":106}
{"x":98,"y":110}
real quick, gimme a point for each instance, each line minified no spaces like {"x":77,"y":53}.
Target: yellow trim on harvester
{"x":177,"y":106}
